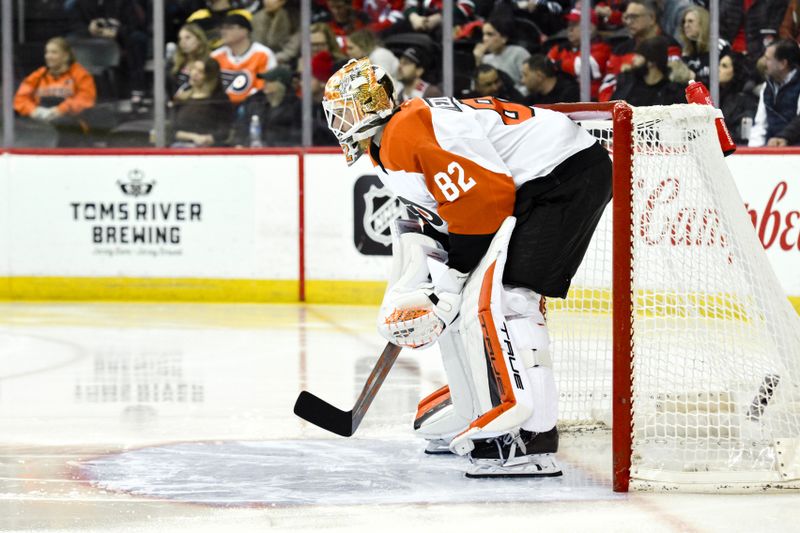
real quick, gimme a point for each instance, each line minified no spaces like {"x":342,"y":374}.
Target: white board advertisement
{"x":226,"y":216}
{"x":348,"y":213}
{"x":770,"y":188}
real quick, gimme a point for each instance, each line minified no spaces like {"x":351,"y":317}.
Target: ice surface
{"x":178,"y":417}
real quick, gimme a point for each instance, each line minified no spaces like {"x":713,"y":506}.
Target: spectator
{"x":323,"y":39}
{"x":275,"y":27}
{"x":344,"y":19}
{"x":567,"y":56}
{"x":383,"y":15}
{"x":278,"y":109}
{"x":489,"y":81}
{"x":641,"y":22}
{"x":609,"y":14}
{"x":548,"y":15}
{"x":409,"y":74}
{"x":58,"y":93}
{"x":778,"y":102}
{"x":494,"y":49}
{"x":735,"y":103}
{"x":546,"y":84}
{"x":202,"y":113}
{"x":751,"y":25}
{"x":192,"y":46}
{"x":694,"y":36}
{"x":362,"y":43}
{"x":210,"y":19}
{"x":123,"y":21}
{"x":426,"y":15}
{"x":241,"y":59}
{"x":646,"y":81}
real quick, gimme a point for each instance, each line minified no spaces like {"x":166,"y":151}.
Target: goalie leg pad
{"x":448,"y":411}
{"x":497,"y":371}
{"x":528,"y":331}
{"x":506,"y":354}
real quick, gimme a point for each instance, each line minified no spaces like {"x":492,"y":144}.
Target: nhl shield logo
{"x":375,"y":210}
{"x":135,"y":185}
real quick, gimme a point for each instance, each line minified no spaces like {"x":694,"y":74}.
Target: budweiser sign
{"x":776,"y":223}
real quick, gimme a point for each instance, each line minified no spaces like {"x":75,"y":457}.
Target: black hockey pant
{"x":556,"y":217}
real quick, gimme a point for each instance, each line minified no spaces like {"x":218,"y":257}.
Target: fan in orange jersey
{"x":513,"y":194}
{"x":62,"y":87}
{"x":58,"y":93}
{"x":240,"y":59}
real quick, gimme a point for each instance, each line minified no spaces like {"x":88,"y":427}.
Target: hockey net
{"x":687,"y":347}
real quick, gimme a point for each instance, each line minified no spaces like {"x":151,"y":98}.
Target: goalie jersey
{"x":458,"y":163}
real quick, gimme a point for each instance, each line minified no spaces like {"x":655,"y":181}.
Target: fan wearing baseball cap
{"x":210,"y":19}
{"x":409,"y":73}
{"x":241,"y":59}
{"x":567,"y":56}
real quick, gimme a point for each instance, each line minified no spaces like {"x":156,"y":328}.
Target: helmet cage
{"x":356,"y":103}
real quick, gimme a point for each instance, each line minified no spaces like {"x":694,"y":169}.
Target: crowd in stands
{"x":233,"y":64}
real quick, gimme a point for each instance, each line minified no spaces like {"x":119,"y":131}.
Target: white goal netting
{"x":715,"y":342}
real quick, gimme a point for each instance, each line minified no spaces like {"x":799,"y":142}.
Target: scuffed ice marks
{"x":321,"y":472}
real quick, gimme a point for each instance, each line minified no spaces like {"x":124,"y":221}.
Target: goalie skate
{"x":535,"y":465}
{"x":523,"y":454}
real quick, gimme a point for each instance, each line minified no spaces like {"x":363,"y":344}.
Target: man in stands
{"x":240,"y":59}
{"x":488,"y":81}
{"x":496,"y":49}
{"x":646,"y":82}
{"x":641,"y":21}
{"x":344,"y":19}
{"x":567,"y":56}
{"x":776,"y":118}
{"x":409,"y":74}
{"x":546,"y":84}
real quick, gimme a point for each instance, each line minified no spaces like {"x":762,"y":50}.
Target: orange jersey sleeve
{"x":25,"y":99}
{"x":472,"y":199}
{"x":85,"y":93}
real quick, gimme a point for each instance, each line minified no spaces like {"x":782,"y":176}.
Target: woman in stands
{"x":58,"y":93}
{"x":694,"y":37}
{"x":192,"y":46}
{"x":737,"y":104}
{"x":202,"y":112}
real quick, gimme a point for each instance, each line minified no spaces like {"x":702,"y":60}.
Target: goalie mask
{"x":358,"y":100}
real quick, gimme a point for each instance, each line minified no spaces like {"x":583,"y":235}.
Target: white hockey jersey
{"x":458,"y":163}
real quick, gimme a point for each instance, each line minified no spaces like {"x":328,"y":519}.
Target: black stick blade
{"x":324,"y":415}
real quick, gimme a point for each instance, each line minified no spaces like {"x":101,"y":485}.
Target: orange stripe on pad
{"x":495,"y":353}
{"x":432,"y":400}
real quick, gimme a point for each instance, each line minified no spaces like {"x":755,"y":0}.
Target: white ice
{"x":178,"y":417}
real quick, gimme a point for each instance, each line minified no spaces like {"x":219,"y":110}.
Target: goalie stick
{"x":320,"y":413}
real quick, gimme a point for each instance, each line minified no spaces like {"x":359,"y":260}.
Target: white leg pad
{"x":529,"y":334}
{"x":452,"y":419}
{"x":490,"y":360}
{"x":545,"y":400}
{"x":506,"y":353}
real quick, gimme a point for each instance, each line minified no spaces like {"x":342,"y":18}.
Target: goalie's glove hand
{"x":421,"y":315}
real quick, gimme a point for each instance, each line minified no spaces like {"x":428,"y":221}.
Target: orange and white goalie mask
{"x":358,"y":100}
